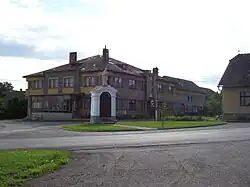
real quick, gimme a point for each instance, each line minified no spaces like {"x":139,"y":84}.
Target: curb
{"x":198,"y":126}
{"x":149,"y":130}
{"x":102,"y":131}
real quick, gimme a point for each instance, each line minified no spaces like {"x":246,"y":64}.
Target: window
{"x":132,"y":84}
{"x":36,"y":102}
{"x":53,"y":82}
{"x":118,"y":81}
{"x":29,"y":84}
{"x":190,"y":98}
{"x":68,"y":82}
{"x":67,"y":105}
{"x":170,"y":89}
{"x":244,"y":98}
{"x":132,"y":105}
{"x":35,"y":84}
{"x":160,"y":87}
{"x":90,"y":81}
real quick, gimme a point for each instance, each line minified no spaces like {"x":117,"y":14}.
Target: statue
{"x":105,"y":77}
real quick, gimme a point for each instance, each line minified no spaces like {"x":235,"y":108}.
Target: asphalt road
{"x":213,"y":156}
{"x":50,"y":136}
{"x":212,"y":164}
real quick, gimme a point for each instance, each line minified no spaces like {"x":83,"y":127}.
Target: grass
{"x":170,"y":124}
{"x":96,"y":127}
{"x":18,"y":166}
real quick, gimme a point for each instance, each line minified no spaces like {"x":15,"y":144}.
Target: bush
{"x":188,"y":118}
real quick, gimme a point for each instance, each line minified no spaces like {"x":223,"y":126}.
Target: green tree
{"x":5,"y":87}
{"x":163,"y":113}
{"x":214,"y":103}
{"x":16,"y":109}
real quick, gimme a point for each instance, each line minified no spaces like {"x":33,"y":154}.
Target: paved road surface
{"x":219,"y":156}
{"x":53,"y":137}
{"x":214,"y":165}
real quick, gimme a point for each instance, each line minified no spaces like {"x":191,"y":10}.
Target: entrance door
{"x":105,"y":105}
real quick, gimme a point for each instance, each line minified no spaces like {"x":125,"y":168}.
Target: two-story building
{"x":189,"y":97}
{"x":97,"y":87}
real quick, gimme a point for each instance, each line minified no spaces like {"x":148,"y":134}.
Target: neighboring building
{"x":190,"y":97}
{"x":103,"y":87}
{"x":235,"y":84}
{"x":11,"y":95}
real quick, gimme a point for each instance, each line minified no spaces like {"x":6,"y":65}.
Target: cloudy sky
{"x":188,"y":39}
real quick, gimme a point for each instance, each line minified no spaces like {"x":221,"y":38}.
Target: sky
{"x":187,"y":39}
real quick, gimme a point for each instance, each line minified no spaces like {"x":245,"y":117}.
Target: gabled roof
{"x":237,"y":72}
{"x":95,"y":63}
{"x":185,"y":84}
{"x":207,"y":90}
{"x":65,"y":67}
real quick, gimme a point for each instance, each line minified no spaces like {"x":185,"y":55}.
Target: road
{"x":50,"y":136}
{"x":212,"y":156}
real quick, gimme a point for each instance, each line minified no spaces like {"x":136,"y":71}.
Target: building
{"x":102,"y":87}
{"x":235,"y":84}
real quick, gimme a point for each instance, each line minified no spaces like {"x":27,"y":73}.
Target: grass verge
{"x":96,"y":128}
{"x":170,"y":124}
{"x":18,"y":166}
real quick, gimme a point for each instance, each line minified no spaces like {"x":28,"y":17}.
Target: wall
{"x":60,"y":89}
{"x":37,"y":91}
{"x":198,"y":99}
{"x":231,"y":101}
{"x":49,"y":116}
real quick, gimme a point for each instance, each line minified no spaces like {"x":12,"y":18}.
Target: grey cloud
{"x":14,"y":49}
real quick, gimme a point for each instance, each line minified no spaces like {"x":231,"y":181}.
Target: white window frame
{"x":132,"y":83}
{"x":37,"y":84}
{"x":54,"y":82}
{"x":68,"y":82}
{"x":90,"y":81}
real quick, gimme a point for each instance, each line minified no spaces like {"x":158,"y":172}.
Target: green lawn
{"x":19,"y":166}
{"x":169,"y":124}
{"x":95,"y":127}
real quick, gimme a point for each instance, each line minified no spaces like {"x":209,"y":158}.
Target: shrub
{"x":187,"y":118}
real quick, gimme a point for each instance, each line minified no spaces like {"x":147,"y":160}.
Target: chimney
{"x":155,"y":71}
{"x":72,"y":57}
{"x":105,"y":54}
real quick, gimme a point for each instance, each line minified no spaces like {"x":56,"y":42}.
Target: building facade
{"x":235,"y":88}
{"x":102,"y":87}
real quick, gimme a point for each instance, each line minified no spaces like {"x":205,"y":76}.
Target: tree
{"x":5,"y":87}
{"x":16,"y":108}
{"x":163,"y":113}
{"x":214,"y":104}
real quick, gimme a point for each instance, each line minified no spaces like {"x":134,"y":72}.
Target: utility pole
{"x":155,"y":91}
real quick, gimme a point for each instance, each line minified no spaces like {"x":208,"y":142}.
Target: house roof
{"x":237,"y":72}
{"x":185,"y":84}
{"x":207,"y":90}
{"x":95,"y":63}
{"x":65,"y":67}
